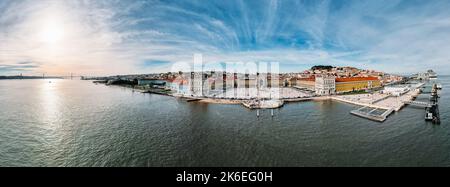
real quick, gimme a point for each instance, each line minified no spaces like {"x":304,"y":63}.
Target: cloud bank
{"x":105,"y":37}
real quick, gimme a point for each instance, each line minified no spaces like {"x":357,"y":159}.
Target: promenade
{"x":380,"y":100}
{"x":262,"y":93}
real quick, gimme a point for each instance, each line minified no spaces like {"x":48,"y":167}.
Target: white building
{"x":325,"y":85}
{"x":396,"y":90}
{"x":196,"y":84}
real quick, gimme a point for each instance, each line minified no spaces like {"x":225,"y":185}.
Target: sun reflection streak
{"x":50,"y":102}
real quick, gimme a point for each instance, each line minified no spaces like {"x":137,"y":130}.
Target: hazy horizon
{"x":204,"y":70}
{"x":104,"y":37}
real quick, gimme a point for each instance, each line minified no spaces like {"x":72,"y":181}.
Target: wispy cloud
{"x":18,"y":67}
{"x":116,"y":37}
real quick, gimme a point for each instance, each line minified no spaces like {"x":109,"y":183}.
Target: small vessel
{"x":431,"y":74}
{"x":439,"y":86}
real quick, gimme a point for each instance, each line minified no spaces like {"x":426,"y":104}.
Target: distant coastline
{"x":27,"y":77}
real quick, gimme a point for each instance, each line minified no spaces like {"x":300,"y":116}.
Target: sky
{"x":108,"y":37}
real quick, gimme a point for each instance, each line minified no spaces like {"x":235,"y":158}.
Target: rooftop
{"x":352,"y":79}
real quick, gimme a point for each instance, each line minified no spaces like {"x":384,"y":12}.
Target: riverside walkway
{"x":380,"y":101}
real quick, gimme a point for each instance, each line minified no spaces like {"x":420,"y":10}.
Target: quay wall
{"x":360,"y":104}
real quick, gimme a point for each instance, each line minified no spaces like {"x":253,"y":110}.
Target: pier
{"x":432,"y":112}
{"x":372,"y":104}
{"x":372,"y":113}
{"x":417,"y":104}
{"x":263,"y":104}
{"x":431,"y":108}
{"x":193,"y":99}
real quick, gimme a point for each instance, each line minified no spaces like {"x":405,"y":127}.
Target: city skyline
{"x":133,"y":37}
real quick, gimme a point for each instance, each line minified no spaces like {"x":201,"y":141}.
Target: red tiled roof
{"x":352,"y":79}
{"x":311,"y":78}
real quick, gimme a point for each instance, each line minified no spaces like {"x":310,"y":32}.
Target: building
{"x":292,"y":81}
{"x":306,"y":83}
{"x":325,"y":85}
{"x":396,"y":90}
{"x":196,"y":83}
{"x":151,"y":82}
{"x":350,"y":84}
{"x":179,"y":86}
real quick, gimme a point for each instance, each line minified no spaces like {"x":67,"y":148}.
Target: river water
{"x":78,"y":123}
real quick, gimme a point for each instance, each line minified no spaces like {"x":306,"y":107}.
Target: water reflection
{"x":49,"y":102}
{"x":77,"y":123}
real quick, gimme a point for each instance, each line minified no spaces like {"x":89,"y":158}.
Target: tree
{"x":322,"y":67}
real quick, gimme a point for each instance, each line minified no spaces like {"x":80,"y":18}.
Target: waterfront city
{"x":384,"y":93}
{"x":232,"y":83}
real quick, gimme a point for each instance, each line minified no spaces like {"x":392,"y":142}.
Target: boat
{"x":431,"y":74}
{"x":439,"y":86}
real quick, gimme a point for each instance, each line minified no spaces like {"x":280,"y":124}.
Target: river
{"x":78,"y":123}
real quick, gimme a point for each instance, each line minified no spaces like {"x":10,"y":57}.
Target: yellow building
{"x":307,"y":83}
{"x":356,"y":83}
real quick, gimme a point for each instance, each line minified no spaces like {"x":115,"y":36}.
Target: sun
{"x":52,"y":33}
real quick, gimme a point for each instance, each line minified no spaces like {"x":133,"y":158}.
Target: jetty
{"x":431,"y":107}
{"x":360,"y":103}
{"x":300,"y":99}
{"x":154,"y":91}
{"x":190,"y":99}
{"x":378,"y":106}
{"x":418,"y":104}
{"x":371,"y":114}
{"x":100,"y":81}
{"x":432,"y":111}
{"x":263,"y":104}
{"x":193,"y":99}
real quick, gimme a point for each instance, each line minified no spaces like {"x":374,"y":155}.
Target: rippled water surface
{"x":78,"y":123}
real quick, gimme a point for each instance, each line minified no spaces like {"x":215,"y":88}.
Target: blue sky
{"x":105,"y":37}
